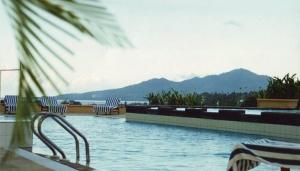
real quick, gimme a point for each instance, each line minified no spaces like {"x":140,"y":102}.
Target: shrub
{"x":286,"y":88}
{"x":173,"y":97}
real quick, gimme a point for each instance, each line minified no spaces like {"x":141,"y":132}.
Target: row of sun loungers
{"x":50,"y":104}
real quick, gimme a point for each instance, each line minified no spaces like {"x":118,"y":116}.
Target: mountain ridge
{"x":237,"y":80}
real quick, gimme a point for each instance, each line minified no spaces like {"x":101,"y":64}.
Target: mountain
{"x":233,"y":81}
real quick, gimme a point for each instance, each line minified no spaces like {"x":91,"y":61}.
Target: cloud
{"x":232,"y":23}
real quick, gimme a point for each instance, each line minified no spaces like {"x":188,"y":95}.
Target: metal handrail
{"x":47,"y":139}
{"x":74,"y":136}
{"x":39,"y":136}
{"x":87,"y":150}
{"x":67,"y":126}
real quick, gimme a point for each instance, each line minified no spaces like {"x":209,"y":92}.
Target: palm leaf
{"x":30,"y":20}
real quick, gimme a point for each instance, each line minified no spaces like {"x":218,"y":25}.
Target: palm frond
{"x":37,"y":44}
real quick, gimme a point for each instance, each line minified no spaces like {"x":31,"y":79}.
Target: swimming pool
{"x":119,"y":145}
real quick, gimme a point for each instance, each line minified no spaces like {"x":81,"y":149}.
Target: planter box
{"x":37,"y":108}
{"x":2,"y":108}
{"x":277,"y":103}
{"x":122,"y":110}
{"x":80,"y":109}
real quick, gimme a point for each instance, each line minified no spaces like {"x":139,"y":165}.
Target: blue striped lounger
{"x":110,"y":105}
{"x":10,"y":103}
{"x":51,"y":104}
{"x":246,"y":156}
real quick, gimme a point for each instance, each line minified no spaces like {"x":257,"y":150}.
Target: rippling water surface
{"x":119,"y":145}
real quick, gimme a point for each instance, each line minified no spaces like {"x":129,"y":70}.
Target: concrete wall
{"x":6,"y":129}
{"x":5,"y":133}
{"x":283,"y":131}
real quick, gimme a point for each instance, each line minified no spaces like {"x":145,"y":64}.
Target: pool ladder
{"x":36,"y":126}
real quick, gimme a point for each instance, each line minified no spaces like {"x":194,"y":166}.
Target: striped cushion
{"x":248,"y":155}
{"x":51,"y":103}
{"x":10,"y":103}
{"x":112,"y":102}
{"x":108,"y":107}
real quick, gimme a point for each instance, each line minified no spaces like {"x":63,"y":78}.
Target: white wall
{"x":283,"y":131}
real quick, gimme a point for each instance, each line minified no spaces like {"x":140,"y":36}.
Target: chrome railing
{"x":36,"y":126}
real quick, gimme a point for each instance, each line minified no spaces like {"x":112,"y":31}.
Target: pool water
{"x":7,"y":118}
{"x":119,"y":145}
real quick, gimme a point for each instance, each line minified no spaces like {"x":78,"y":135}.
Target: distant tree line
{"x":286,"y":88}
{"x":173,"y":97}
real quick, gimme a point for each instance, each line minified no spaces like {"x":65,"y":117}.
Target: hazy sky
{"x":179,"y":39}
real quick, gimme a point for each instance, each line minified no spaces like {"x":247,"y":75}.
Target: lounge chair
{"x":50,"y":104}
{"x":246,"y":156}
{"x":10,"y":103}
{"x":111,"y":105}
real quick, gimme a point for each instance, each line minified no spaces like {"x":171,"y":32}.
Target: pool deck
{"x":18,"y":163}
{"x":22,"y":160}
